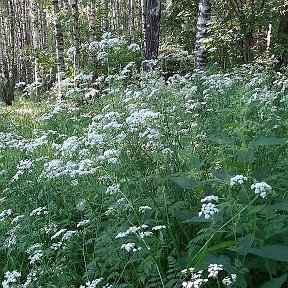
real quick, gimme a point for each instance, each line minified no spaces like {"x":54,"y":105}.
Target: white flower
{"x":208,"y":210}
{"x":166,"y":151}
{"x":210,"y":199}
{"x":130,"y":247}
{"x":58,"y":233}
{"x":145,"y":234}
{"x":94,"y":283}
{"x":83,"y":223}
{"x":68,"y":234}
{"x":36,"y":257}
{"x":159,"y":227}
{"x":5,"y":213}
{"x":10,"y":277}
{"x":134,"y":47}
{"x":233,"y":277}
{"x":21,"y":167}
{"x":39,"y":211}
{"x":71,"y":51}
{"x":16,"y":219}
{"x":121,"y":235}
{"x":140,"y":117}
{"x":261,"y":188}
{"x":228,"y":281}
{"x":142,"y":209}
{"x":69,"y":146}
{"x":238,"y":179}
{"x":214,"y":269}
{"x":113,"y":189}
{"x":188,"y":270}
{"x":74,"y":182}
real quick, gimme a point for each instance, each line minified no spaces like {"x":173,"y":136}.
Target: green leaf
{"x":275,"y":283}
{"x":224,"y":110}
{"x":195,"y":162}
{"x":283,"y":206}
{"x":245,"y":156}
{"x":184,"y":215}
{"x":230,"y":124}
{"x":269,"y":141}
{"x":221,"y":140}
{"x":222,"y":245}
{"x":197,"y":219}
{"x":245,"y":244}
{"x":275,"y":252}
{"x":182,"y":180}
{"x":201,"y":219}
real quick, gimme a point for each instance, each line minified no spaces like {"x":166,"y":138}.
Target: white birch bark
{"x":202,"y":21}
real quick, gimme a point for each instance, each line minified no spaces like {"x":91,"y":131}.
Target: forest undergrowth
{"x":177,"y":183}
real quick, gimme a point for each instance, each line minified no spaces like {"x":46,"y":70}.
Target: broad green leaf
{"x":244,"y":246}
{"x":195,"y":162}
{"x":222,"y":245}
{"x":283,"y":206}
{"x":245,"y":243}
{"x":245,"y":156}
{"x":183,"y":180}
{"x":222,"y":174}
{"x":276,"y":252}
{"x":184,"y":215}
{"x":275,"y":283}
{"x":269,"y":141}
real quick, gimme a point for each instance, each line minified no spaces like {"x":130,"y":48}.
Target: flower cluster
{"x":92,"y":284}
{"x":197,"y":279}
{"x":131,"y":230}
{"x":238,"y":179}
{"x":35,"y":252}
{"x":130,"y":247}
{"x":229,"y":280}
{"x":261,"y":188}
{"x":10,"y":277}
{"x":113,"y":189}
{"x":209,"y":209}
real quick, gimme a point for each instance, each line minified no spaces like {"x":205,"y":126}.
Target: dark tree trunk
{"x":153,"y":12}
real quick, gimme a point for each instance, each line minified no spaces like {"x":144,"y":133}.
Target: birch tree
{"x":204,"y":10}
{"x":75,"y":32}
{"x":59,"y":43}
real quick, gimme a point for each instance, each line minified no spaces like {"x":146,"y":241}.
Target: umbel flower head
{"x":261,"y":188}
{"x":238,"y":179}
{"x":209,"y":209}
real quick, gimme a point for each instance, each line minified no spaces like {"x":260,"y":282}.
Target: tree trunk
{"x":76,"y":33}
{"x":59,"y":44}
{"x":153,"y":12}
{"x":12,"y":70}
{"x":202,"y":21}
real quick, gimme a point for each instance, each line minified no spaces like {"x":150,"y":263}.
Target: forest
{"x":143,"y":143}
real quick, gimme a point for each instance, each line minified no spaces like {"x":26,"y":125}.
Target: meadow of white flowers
{"x":157,"y":184}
